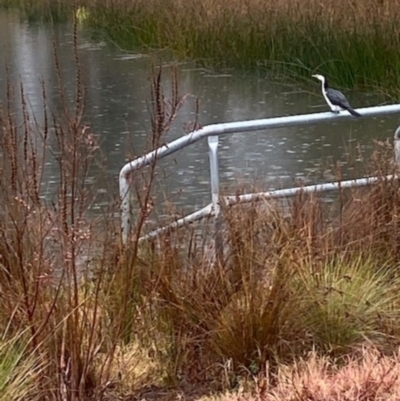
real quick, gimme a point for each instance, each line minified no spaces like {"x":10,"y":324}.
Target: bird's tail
{"x":353,"y":112}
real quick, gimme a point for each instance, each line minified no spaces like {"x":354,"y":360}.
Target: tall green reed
{"x":356,"y":45}
{"x":40,"y":11}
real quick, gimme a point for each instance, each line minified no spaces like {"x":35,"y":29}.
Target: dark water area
{"x":117,"y":97}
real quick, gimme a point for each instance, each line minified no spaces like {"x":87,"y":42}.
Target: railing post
{"x":397,"y":147}
{"x":214,"y":176}
{"x":124,"y":193}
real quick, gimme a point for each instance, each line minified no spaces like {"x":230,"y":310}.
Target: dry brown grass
{"x":101,"y":320}
{"x":290,"y":281}
{"x":367,"y":375}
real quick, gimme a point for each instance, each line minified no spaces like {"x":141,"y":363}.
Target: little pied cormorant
{"x":335,"y":99}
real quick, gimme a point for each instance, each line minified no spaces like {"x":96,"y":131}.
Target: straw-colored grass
{"x":19,"y":373}
{"x":367,"y":375}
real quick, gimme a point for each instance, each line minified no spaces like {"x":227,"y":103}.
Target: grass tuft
{"x":346,"y":302}
{"x":19,"y":372}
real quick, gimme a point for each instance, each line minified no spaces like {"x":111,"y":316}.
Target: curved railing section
{"x":212,"y":132}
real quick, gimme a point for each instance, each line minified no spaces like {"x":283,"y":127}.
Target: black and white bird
{"x":335,"y":99}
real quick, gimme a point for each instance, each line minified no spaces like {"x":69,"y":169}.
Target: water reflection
{"x":117,"y":96}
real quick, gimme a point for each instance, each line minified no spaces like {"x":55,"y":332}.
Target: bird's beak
{"x":314,"y":76}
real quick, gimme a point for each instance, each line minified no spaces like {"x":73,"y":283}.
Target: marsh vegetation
{"x":305,"y":294}
{"x":354,"y":43}
{"x":304,"y":304}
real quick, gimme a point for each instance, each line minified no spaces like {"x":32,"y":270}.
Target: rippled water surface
{"x":117,"y":95}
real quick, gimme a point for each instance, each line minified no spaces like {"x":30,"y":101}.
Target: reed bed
{"x":57,"y":11}
{"x":303,"y":303}
{"x":354,"y":43}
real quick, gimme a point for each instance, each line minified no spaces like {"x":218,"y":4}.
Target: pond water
{"x":117,"y":94}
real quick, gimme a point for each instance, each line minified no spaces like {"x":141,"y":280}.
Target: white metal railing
{"x":212,"y":132}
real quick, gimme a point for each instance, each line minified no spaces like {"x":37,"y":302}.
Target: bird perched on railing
{"x":335,"y":99}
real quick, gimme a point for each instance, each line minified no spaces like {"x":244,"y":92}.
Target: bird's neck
{"x":325,"y":84}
